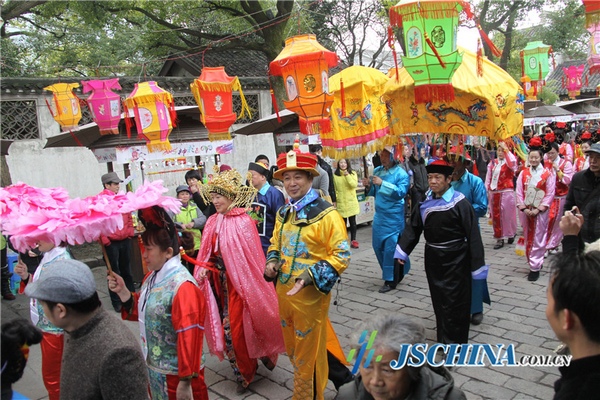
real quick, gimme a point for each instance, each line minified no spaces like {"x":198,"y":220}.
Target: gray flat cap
{"x":64,"y":281}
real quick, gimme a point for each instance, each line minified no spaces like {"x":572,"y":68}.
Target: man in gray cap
{"x":102,"y":359}
{"x":584,"y":197}
{"x":118,"y":245}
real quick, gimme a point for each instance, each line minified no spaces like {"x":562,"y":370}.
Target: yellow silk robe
{"x":310,"y":235}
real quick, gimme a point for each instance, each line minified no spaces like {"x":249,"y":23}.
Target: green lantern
{"x":430,"y":28}
{"x":534,"y":60}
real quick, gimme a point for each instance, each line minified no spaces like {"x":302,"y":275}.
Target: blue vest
{"x":160,"y":334}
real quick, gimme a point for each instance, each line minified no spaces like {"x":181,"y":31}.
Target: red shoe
{"x":354,"y":244}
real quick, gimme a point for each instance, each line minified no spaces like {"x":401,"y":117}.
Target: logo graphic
{"x":365,"y":346}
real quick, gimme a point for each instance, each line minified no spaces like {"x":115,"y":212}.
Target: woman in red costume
{"x":246,"y":327}
{"x":582,"y":161}
{"x":499,"y":182}
{"x":563,"y":172}
{"x":535,"y":191}
{"x":170,"y":309}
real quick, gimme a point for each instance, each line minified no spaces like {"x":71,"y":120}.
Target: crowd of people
{"x":249,"y":264}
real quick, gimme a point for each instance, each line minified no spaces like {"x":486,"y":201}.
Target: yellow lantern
{"x":154,"y":113}
{"x":529,"y":90}
{"x":304,"y":65}
{"x":64,"y":107}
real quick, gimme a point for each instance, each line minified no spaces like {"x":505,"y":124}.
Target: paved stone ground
{"x":515,"y":316}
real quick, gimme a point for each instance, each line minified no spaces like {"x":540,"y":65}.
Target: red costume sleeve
{"x":188,"y":320}
{"x":133,"y":315}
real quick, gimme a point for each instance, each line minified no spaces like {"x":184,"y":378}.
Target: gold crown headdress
{"x":229,"y":184}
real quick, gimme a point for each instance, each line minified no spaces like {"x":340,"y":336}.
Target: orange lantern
{"x":65,"y":107}
{"x":304,"y":65}
{"x":154,"y":113}
{"x":213,"y":93}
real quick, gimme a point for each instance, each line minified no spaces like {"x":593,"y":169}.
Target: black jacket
{"x":421,"y":185}
{"x":579,"y":380}
{"x":323,"y":164}
{"x":207,"y":209}
{"x":582,"y":185}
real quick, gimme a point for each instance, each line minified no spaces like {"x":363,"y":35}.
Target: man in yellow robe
{"x":309,"y":250}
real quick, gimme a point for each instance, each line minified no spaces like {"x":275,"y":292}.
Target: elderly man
{"x":118,"y":244}
{"x":453,"y":252}
{"x":101,"y":359}
{"x":389,"y":185}
{"x":474,"y":190}
{"x":264,"y":207}
{"x":309,"y":250}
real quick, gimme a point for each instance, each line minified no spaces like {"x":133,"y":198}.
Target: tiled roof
{"x":241,"y":63}
{"x":178,"y":85}
{"x":556,"y":77}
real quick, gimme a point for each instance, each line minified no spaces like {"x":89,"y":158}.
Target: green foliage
{"x":547,"y":96}
{"x":130,"y":37}
{"x":564,"y":29}
{"x":355,"y":29}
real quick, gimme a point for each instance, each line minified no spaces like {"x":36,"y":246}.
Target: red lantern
{"x":104,"y":104}
{"x":304,"y":65}
{"x":213,"y":93}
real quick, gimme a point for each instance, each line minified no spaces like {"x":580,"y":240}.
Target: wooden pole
{"x":106,"y":260}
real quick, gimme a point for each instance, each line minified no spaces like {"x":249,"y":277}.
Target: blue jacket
{"x":474,"y":190}
{"x":389,"y":199}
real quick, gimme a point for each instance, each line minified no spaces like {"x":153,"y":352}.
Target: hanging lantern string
{"x":233,"y":37}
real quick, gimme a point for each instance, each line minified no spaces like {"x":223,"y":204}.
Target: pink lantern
{"x":574,"y":82}
{"x":154,"y":113}
{"x":104,"y":104}
{"x":594,"y":56}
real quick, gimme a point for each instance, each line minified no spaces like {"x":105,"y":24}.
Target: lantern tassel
{"x":435,"y":93}
{"x":157,"y":145}
{"x":393,"y":47}
{"x":479,"y":58}
{"x":522,"y":63}
{"x":435,"y":52}
{"x":274,"y":101}
{"x":173,"y":114}
{"x":128,"y":122}
{"x":395,"y":18}
{"x":495,"y":51}
{"x":245,"y":107}
{"x":343,"y":97}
